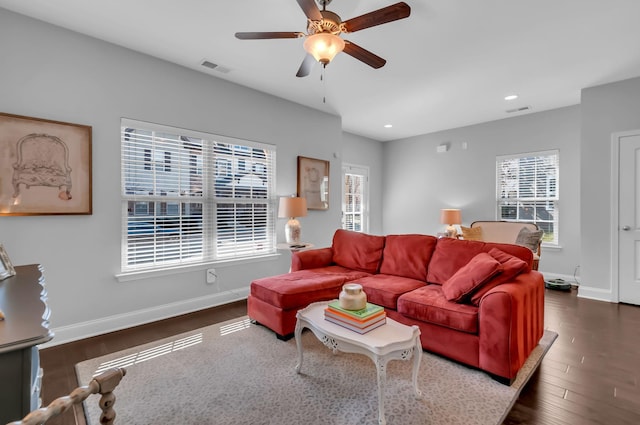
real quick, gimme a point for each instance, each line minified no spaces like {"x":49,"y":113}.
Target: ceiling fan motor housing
{"x":330,"y":22}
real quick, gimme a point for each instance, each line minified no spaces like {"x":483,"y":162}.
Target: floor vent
{"x":520,"y":109}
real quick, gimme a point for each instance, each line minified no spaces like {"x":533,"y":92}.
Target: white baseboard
{"x":597,"y":294}
{"x":118,"y":322}
{"x":567,"y":278}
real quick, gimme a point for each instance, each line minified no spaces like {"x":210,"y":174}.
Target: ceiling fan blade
{"x":377,"y":17}
{"x":307,"y":65}
{"x":310,"y":9}
{"x":267,"y":35}
{"x":363,"y":55}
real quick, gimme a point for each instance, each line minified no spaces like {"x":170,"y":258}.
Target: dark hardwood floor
{"x":591,"y":374}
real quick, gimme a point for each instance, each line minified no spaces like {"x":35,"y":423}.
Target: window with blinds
{"x":527,"y":190}
{"x":354,"y":198}
{"x":191,"y":197}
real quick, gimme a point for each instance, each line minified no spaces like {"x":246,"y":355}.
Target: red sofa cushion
{"x":472,"y":275}
{"x":385,"y":289}
{"x":358,"y":251}
{"x":511,"y":267}
{"x":428,"y":304}
{"x":452,"y":254}
{"x":297,"y":289}
{"x":408,"y":255}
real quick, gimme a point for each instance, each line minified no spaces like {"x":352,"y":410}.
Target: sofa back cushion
{"x":408,"y":255}
{"x":357,"y":251}
{"x":452,"y":254}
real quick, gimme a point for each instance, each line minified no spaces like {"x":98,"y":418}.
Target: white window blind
{"x":527,"y":190}
{"x":354,"y":198}
{"x":191,"y":197}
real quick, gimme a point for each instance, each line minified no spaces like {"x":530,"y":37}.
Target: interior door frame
{"x":615,"y":219}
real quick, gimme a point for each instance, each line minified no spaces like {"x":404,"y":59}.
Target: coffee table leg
{"x":417,"y":357}
{"x":298,"y":336}
{"x":381,"y":366}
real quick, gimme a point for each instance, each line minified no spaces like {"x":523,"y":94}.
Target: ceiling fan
{"x":323,"y":41}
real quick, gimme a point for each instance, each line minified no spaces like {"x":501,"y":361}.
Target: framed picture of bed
{"x":45,"y":167}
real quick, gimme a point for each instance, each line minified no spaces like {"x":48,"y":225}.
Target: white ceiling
{"x":450,"y":64}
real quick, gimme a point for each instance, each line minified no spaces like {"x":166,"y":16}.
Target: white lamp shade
{"x":292,"y":207}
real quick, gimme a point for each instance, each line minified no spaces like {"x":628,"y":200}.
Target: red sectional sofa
{"x":477,"y":303}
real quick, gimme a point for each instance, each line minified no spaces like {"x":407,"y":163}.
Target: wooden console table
{"x":26,"y":325}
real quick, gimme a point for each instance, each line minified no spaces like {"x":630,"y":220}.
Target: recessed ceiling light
{"x":511,"y":97}
{"x":388,"y":125}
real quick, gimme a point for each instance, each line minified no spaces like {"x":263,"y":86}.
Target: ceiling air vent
{"x":520,"y":109}
{"x":215,"y":66}
{"x":208,"y":64}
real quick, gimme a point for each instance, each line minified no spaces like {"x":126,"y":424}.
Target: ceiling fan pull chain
{"x":324,"y":83}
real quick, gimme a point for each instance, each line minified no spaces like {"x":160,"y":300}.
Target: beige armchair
{"x":505,"y":232}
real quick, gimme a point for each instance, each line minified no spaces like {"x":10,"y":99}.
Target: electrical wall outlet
{"x":211,"y":276}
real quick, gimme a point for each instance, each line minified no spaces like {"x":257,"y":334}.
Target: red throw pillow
{"x":511,"y":267}
{"x":475,"y":273}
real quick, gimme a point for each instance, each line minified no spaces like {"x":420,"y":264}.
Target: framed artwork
{"x":45,"y":167}
{"x":6,"y":268}
{"x":313,"y":182}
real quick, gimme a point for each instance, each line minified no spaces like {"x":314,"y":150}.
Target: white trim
{"x":597,"y":294}
{"x":567,"y":278}
{"x":128,"y":122}
{"x":532,"y":153}
{"x":65,"y":334}
{"x":615,"y":200}
{"x":364,"y":170}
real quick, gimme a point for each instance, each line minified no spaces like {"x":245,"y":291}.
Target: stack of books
{"x":361,"y":321}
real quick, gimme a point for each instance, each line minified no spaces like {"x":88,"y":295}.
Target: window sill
{"x":167,"y":271}
{"x":551,"y":247}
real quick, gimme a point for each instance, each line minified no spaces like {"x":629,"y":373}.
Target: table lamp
{"x":450,"y":216}
{"x":291,"y":208}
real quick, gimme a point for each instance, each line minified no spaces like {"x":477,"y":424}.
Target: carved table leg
{"x":381,"y":368}
{"x":417,"y":357}
{"x":298,"y":336}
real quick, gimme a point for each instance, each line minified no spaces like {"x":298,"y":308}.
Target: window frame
{"x":358,"y":170}
{"x":258,"y":239}
{"x":552,"y":198}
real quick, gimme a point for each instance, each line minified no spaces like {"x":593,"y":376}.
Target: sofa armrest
{"x":511,"y":319}
{"x":311,"y":259}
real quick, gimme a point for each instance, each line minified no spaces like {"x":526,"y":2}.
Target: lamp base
{"x":292,"y":231}
{"x":452,"y":232}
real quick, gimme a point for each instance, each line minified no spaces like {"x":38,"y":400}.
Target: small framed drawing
{"x":6,"y":268}
{"x":313,"y":182}
{"x":45,"y":167}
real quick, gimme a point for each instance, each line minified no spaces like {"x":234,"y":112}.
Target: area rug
{"x":238,"y":373}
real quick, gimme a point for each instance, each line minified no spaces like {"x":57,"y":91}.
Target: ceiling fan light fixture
{"x":323,"y":46}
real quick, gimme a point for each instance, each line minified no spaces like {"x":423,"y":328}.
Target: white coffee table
{"x":392,"y":341}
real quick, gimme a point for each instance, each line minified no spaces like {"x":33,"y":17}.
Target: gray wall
{"x":606,"y":109}
{"x":51,"y":73}
{"x":419,"y":181}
